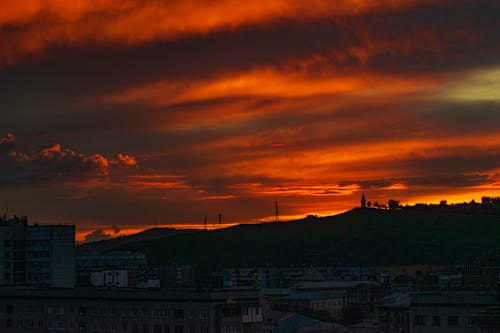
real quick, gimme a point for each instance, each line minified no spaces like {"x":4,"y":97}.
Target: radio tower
{"x":276,"y":210}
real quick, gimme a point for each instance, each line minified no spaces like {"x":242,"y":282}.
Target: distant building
{"x":36,"y":255}
{"x":139,"y":273}
{"x":393,"y":313}
{"x":488,"y":319}
{"x":439,"y":311}
{"x":110,"y":278}
{"x":447,"y":311}
{"x":331,"y":303}
{"x":172,"y":276}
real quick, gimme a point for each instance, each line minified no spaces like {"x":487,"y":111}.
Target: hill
{"x":114,"y":243}
{"x":357,"y":237}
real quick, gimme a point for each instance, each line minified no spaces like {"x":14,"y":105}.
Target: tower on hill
{"x":363,"y":201}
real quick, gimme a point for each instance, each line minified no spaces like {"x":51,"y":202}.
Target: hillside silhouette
{"x":430,"y":235}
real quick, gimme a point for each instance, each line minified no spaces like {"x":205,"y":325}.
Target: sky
{"x":122,"y":115}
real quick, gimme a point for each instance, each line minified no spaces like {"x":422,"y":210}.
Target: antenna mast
{"x":276,"y":210}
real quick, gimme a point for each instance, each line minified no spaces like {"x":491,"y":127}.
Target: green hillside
{"x":360,"y":236}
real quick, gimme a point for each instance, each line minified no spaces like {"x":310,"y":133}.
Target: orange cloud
{"x":31,"y":26}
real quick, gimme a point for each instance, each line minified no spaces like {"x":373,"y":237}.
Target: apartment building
{"x":36,"y":255}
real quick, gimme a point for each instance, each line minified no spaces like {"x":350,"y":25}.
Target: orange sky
{"x":116,"y":114}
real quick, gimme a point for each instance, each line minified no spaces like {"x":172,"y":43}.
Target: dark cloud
{"x":53,"y":164}
{"x":448,"y":180}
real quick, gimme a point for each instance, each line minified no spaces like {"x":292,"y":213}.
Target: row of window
{"x":100,"y":326}
{"x":32,"y":277}
{"x":421,"y":320}
{"x":105,"y":312}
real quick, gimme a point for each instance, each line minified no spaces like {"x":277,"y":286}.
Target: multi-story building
{"x":454,"y":311}
{"x":134,"y":311}
{"x":139,"y":273}
{"x":36,"y":255}
{"x":447,"y":311}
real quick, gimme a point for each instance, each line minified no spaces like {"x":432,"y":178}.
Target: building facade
{"x":134,"y":311}
{"x":36,"y":255}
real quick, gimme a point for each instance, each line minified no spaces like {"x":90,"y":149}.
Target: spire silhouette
{"x":363,"y":201}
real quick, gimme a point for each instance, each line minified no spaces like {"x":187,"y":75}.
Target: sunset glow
{"x":116,"y":114}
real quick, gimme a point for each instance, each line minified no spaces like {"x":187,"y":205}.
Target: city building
{"x":488,"y":319}
{"x":137,"y":311}
{"x":448,"y":311}
{"x":133,"y":270}
{"x":36,"y":255}
{"x":393,"y":313}
{"x":330,"y":303}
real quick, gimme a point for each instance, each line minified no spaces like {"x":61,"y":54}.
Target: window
{"x":178,"y":329}
{"x":61,"y":325}
{"x":82,"y":326}
{"x":190,"y":314}
{"x":167,"y":329}
{"x":419,"y":320}
{"x":179,"y":314}
{"x":82,"y":311}
{"x":436,"y":321}
{"x":203,"y":314}
{"x":452,"y":320}
{"x":157,"y":329}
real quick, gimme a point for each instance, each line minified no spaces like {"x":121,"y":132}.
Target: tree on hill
{"x":393,"y":204}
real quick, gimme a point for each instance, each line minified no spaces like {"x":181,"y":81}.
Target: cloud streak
{"x":311,"y":101}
